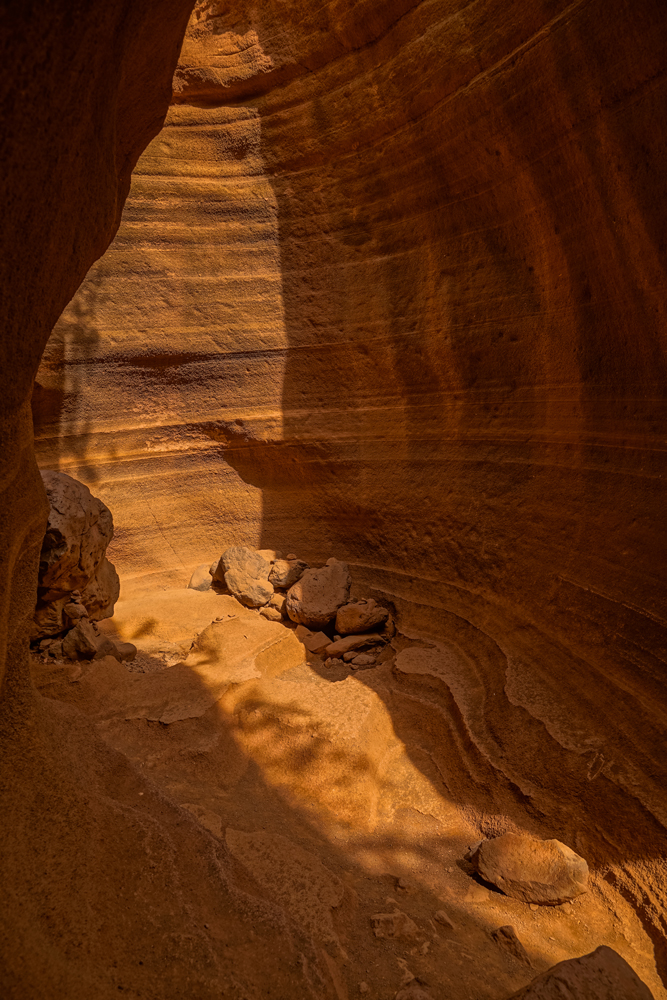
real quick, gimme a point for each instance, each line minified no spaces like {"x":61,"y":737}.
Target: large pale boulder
{"x":317,"y":596}
{"x":246,"y":575}
{"x":73,"y":558}
{"x":602,"y":975}
{"x":536,"y":871}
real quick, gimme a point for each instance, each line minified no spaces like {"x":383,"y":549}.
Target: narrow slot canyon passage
{"x":378,"y":338}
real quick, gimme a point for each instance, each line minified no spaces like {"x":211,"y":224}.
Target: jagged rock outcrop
{"x":285,"y":572}
{"x":72,"y":559}
{"x":360,"y":616}
{"x":428,"y":337}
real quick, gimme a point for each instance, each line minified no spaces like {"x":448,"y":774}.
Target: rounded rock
{"x":545,"y":872}
{"x":246,"y":575}
{"x":201,"y":578}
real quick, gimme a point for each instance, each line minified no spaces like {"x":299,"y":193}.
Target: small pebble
{"x":363,"y":660}
{"x":443,"y":919}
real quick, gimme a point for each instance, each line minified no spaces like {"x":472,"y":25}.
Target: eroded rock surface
{"x":508,"y":940}
{"x":417,"y":338}
{"x":429,"y":337}
{"x":102,"y":591}
{"x":321,"y":796}
{"x":414,"y":991}
{"x":79,"y":530}
{"x":394,"y":925}
{"x":351,"y":642}
{"x":271,"y":614}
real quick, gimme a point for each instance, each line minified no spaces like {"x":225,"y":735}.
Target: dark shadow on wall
{"x":457,"y":423}
{"x":472,"y":406}
{"x":59,"y":391}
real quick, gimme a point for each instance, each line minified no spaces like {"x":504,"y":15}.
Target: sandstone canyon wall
{"x":104,"y":886}
{"x":390,"y":284}
{"x":83,"y":91}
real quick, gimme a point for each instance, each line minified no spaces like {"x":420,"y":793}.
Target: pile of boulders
{"x":83,"y":640}
{"x":77,"y":585}
{"x":314,"y":599}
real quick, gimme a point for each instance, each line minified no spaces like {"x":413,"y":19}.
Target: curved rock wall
{"x":393,"y":289}
{"x":76,"y":112}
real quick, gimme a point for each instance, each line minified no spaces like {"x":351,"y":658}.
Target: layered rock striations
{"x":394,"y":288}
{"x":390,"y":284}
{"x":105,"y":886}
{"x":82,"y":92}
{"x":174,"y":344}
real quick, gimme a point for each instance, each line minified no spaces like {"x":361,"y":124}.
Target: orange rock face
{"x":77,"y":112}
{"x":389,"y":285}
{"x":394,"y":289}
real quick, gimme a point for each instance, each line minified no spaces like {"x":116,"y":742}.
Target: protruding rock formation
{"x":414,"y":991}
{"x":351,"y":642}
{"x":508,"y":940}
{"x":394,"y":925}
{"x":73,"y":558}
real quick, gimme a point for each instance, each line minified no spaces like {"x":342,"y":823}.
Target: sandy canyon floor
{"x":323,"y":798}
